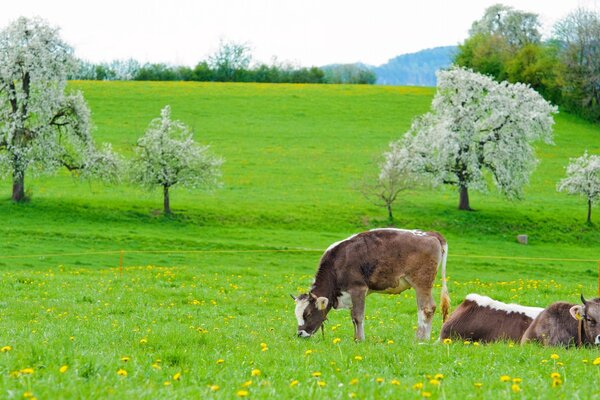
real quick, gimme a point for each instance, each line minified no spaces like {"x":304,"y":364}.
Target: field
{"x":202,"y":307}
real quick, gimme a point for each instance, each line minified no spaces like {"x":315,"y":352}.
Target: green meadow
{"x":201,"y":306}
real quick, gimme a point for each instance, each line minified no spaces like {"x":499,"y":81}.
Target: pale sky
{"x":305,"y":32}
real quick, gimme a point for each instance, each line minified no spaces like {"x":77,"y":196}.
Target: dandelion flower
{"x":255,"y":372}
{"x":390,"y":342}
{"x":395,"y":382}
{"x":555,"y":375}
{"x":467,"y":342}
{"x":596,"y":361}
{"x":26,"y":371}
{"x":515,"y":388}
{"x":426,"y":394}
{"x":353,"y":381}
{"x":554,"y":356}
{"x":308,"y":352}
{"x":478,"y":385}
{"x":247,"y":383}
{"x":63,"y":369}
{"x":121,"y":372}
{"x":434,"y":382}
{"x":358,"y":358}
{"x":5,"y":349}
{"x":28,"y":395}
{"x":556,"y":382}
{"x":177,"y":376}
{"x":125,"y":358}
{"x":439,"y":376}
{"x":505,"y":378}
{"x":475,"y":343}
{"x":447,"y":341}
{"x":418,"y":386}
{"x":214,"y":388}
{"x":293,"y":383}
{"x":143,"y":341}
{"x":379,"y":380}
{"x":220,"y":361}
{"x":242,"y":393}
{"x":336,"y":340}
{"x":517,"y":380}
{"x":156,"y":366}
{"x":167,"y":383}
{"x":321,"y":384}
{"x":316,"y":374}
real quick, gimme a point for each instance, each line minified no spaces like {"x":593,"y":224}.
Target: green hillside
{"x":211,"y":283}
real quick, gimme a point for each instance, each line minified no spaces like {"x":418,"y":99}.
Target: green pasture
{"x":203,"y":298}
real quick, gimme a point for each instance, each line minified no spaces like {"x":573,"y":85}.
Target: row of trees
{"x":43,"y":128}
{"x":478,"y":127}
{"x":507,"y":45}
{"x":232,"y":62}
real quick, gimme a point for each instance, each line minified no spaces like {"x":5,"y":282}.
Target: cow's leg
{"x":358,"y":313}
{"x":426,"y":309}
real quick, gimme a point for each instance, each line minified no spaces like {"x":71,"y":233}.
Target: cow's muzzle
{"x":303,"y":334}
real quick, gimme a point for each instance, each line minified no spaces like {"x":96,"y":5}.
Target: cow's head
{"x":311,"y":312}
{"x":589,"y":313}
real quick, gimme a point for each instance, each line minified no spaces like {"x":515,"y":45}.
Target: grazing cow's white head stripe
{"x":484,"y":301}
{"x":300,"y":307}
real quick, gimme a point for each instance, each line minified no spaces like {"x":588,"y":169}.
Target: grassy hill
{"x":293,"y":153}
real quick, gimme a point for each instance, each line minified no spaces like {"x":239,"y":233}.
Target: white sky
{"x":306,"y":32}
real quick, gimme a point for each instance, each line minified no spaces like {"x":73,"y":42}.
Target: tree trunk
{"x":18,"y":189}
{"x":463,"y":204}
{"x":589,"y":216}
{"x":390,"y":214}
{"x":166,"y":203}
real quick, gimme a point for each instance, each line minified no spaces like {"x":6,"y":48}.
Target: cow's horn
{"x":583,"y":299}
{"x":293,"y":297}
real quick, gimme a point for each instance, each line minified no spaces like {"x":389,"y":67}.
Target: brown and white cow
{"x":377,"y":261}
{"x":566,"y":324}
{"x":483,"y":319}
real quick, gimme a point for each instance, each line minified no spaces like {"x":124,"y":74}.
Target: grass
{"x":292,"y":155}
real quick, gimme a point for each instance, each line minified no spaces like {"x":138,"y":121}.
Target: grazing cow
{"x":565,"y":324}
{"x":377,"y":261}
{"x":482,"y":319}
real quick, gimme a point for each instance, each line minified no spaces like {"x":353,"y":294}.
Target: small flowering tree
{"x":41,"y":127}
{"x":476,"y":124}
{"x":167,"y":156}
{"x":583,"y":178}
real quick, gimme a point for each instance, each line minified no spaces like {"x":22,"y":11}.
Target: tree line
{"x":232,"y":62}
{"x":565,"y":68}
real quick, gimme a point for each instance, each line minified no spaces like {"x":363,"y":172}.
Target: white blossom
{"x":167,"y":155}
{"x":477,"y":124}
{"x":583,"y":178}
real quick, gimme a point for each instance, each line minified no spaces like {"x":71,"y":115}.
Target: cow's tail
{"x":445,"y":298}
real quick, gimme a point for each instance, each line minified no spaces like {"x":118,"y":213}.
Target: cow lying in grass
{"x":566,"y":324}
{"x":377,"y":261}
{"x":482,"y":319}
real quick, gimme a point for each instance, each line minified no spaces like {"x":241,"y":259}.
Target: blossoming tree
{"x":583,"y":178}
{"x":167,"y":156}
{"x":41,"y":127}
{"x":477,"y":125}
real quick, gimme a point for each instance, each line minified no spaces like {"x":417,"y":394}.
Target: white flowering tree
{"x":167,"y":156}
{"x":476,"y":124}
{"x":583,"y":178}
{"x":42,"y":128}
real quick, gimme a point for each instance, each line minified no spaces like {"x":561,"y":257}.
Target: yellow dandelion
{"x":395,"y":382}
{"x":515,"y":388}
{"x":426,"y":394}
{"x":255,"y":372}
{"x":418,"y":386}
{"x":28,"y":395}
{"x":476,"y":343}
{"x":560,"y":364}
{"x":447,"y":341}
{"x":125,"y":358}
{"x":5,"y":349}
{"x":177,"y":376}
{"x":517,"y":380}
{"x":167,"y":383}
{"x":352,"y":395}
{"x":63,"y":369}
{"x":467,"y":342}
{"x":478,"y":385}
{"x":439,"y":376}
{"x":321,"y":384}
{"x":26,"y":371}
{"x":354,"y":381}
{"x":121,"y":372}
{"x":293,"y":383}
{"x":379,"y":380}
{"x":556,"y":382}
{"x":555,"y":375}
{"x":308,"y":352}
{"x":336,"y":340}
{"x":316,"y":374}
{"x":434,"y":382}
{"x":143,"y":341}
{"x":242,"y":393}
{"x":214,"y":388}
{"x":596,"y":361}
{"x":247,"y":383}
{"x":505,"y":378}
{"x":220,"y":361}
{"x":585,"y":360}
{"x":554,"y":356}
{"x":390,"y":342}
{"x":358,"y":358}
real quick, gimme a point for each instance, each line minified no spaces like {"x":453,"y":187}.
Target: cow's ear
{"x":576,"y":312}
{"x":321,"y":303}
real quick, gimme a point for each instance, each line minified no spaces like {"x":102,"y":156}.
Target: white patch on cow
{"x":415,"y":232}
{"x":334,"y":245}
{"x":344,"y":301}
{"x":597,"y":340}
{"x":421,"y":319}
{"x":484,"y":301}
{"x":303,"y":333}
{"x":300,"y":307}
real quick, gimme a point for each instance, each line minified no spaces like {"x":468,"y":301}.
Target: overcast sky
{"x":306,"y":32}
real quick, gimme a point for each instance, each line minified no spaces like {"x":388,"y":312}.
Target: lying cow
{"x":482,"y":319}
{"x":565,"y":324}
{"x":380,"y":260}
